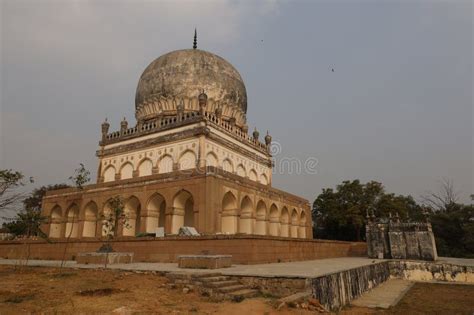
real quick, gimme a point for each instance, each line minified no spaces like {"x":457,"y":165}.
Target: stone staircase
{"x":214,"y":285}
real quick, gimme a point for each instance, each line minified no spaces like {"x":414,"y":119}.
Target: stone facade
{"x":396,"y":240}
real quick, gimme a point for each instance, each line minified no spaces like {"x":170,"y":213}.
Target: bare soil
{"x":72,"y":291}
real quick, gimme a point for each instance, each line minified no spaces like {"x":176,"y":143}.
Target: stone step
{"x":176,"y":275}
{"x":214,"y":279}
{"x":231,"y":288}
{"x":220,"y":284}
{"x":206,"y":275}
{"x":244,"y":293}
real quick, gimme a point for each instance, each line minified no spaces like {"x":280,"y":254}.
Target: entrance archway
{"x":246,"y":216}
{"x":90,"y":220}
{"x":274,"y":225}
{"x":261,"y":219}
{"x":56,"y":222}
{"x":132,"y":217}
{"x":155,"y":216}
{"x":229,"y":214}
{"x":183,"y":211}
{"x":72,"y":224}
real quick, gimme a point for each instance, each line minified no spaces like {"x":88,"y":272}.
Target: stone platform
{"x":204,"y":261}
{"x":101,"y":258}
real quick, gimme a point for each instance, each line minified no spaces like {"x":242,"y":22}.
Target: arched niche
{"x":211,"y":159}
{"x":253,"y":175}
{"x":183,"y":211}
{"x":109,"y":174}
{"x":187,"y":160}
{"x":155,"y":216}
{"x":165,"y":164}
{"x":241,"y":171}
{"x":228,"y":166}
{"x":246,"y":220}
{"x":145,"y":168}
{"x":126,"y":171}
{"x":72,"y":223}
{"x":302,"y":227}
{"x":284,"y":222}
{"x":261,"y":218}
{"x":294,"y":223}
{"x":56,"y":222}
{"x":132,"y":213}
{"x":90,"y":220}
{"x":274,"y":224}
{"x":229,"y":214}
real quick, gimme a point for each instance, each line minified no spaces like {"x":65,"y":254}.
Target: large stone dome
{"x":178,"y":77}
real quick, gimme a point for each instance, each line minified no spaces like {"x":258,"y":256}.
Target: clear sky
{"x":398,"y":107}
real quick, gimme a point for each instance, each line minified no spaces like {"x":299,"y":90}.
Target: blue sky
{"x":398,"y":107}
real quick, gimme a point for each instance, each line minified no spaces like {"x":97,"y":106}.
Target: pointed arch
{"x":302,"y":227}
{"x":246,"y":220}
{"x":294,"y":223}
{"x":132,"y":211}
{"x":284,"y":222}
{"x":90,"y":219}
{"x":241,"y":170}
{"x":165,"y":164}
{"x":109,"y":174}
{"x":253,"y":175}
{"x":155,"y":213}
{"x":211,"y":159}
{"x":145,"y":167}
{"x":228,"y":166}
{"x":261,"y":218}
{"x":126,"y":171}
{"x":56,"y":222}
{"x":187,"y":160}
{"x":183,"y":211}
{"x":274,"y":224}
{"x":263,"y":179}
{"x":229,"y":213}
{"x":72,"y":223}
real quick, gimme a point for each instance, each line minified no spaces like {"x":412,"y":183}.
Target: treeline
{"x":340,"y":214}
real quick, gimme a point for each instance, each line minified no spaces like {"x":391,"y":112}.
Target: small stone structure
{"x":100,"y":258}
{"x":400,"y":240}
{"x":204,"y":261}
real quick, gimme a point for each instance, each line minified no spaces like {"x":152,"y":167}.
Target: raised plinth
{"x":101,"y":258}
{"x":204,"y":261}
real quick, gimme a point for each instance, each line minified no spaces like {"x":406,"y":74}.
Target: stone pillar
{"x":246,"y":223}
{"x":177,"y":220}
{"x":261,"y":227}
{"x":302,"y":231}
{"x":284,"y":230}
{"x":229,"y":221}
{"x":151,"y":221}
{"x":274,"y":226}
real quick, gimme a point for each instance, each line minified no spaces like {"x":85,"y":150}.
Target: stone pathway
{"x":385,"y":295}
{"x":297,"y":269}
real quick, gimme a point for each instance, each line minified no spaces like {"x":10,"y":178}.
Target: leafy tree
{"x":81,"y":176}
{"x":341,"y":214}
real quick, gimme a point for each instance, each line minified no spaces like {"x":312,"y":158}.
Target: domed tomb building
{"x":189,"y":160}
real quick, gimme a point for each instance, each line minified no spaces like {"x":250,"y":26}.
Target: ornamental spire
{"x":195,"y":44}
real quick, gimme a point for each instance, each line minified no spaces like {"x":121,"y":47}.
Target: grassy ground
{"x":46,"y":290}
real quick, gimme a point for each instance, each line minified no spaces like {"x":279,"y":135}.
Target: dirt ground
{"x":47,"y":290}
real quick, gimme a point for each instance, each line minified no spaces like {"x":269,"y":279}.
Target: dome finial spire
{"x":195,"y":43}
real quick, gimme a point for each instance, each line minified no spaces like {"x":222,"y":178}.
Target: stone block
{"x":100,"y":258}
{"x":204,"y":261}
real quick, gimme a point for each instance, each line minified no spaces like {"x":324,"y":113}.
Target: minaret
{"x":195,"y":43}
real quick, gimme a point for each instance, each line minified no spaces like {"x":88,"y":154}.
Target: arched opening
{"x":183,"y":211}
{"x":302,"y":228}
{"x":187,"y":160}
{"x":90,"y":220}
{"x":165,"y":165}
{"x":229,"y":214}
{"x":246,"y":216}
{"x":253,"y":175}
{"x":263,"y":179}
{"x":109,"y":174}
{"x":228,"y":166}
{"x":126,"y":171}
{"x":285,"y":220}
{"x":241,"y":170}
{"x":294,"y":224}
{"x":261,"y":219}
{"x":132,"y":217}
{"x":108,"y":220}
{"x":72,"y":224}
{"x":145,"y":168}
{"x":56,"y":222}
{"x":211,"y":159}
{"x":274,"y":225}
{"x":155,"y":216}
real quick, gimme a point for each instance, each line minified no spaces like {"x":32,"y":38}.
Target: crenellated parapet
{"x":204,"y":112}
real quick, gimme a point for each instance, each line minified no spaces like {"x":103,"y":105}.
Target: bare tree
{"x":10,"y":181}
{"x":444,"y":199}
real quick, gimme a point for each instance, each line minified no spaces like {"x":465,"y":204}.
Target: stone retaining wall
{"x":244,"y":249}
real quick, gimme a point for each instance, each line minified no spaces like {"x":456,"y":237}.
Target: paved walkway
{"x":385,"y":295}
{"x":297,"y":269}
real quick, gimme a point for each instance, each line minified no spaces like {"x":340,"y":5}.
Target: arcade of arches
{"x":234,"y":211}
